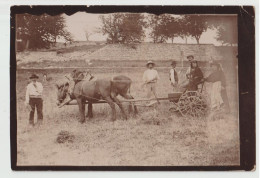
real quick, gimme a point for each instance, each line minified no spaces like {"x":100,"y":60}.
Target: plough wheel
{"x":192,"y":104}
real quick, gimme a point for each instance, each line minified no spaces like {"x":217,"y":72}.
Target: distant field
{"x":90,"y":48}
{"x":111,"y":64}
{"x":155,"y":137}
{"x":73,"y":48}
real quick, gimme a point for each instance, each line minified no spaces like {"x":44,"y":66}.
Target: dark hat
{"x":33,"y":76}
{"x":190,"y":56}
{"x":173,"y":63}
{"x":150,"y":62}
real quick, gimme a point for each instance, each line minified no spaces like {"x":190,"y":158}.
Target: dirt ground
{"x":156,"y":137}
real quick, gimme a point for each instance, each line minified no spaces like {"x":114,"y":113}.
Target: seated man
{"x":195,"y":77}
{"x":75,"y":77}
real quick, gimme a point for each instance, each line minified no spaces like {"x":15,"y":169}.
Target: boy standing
{"x":150,"y":78}
{"x":33,"y":99}
{"x":174,"y":76}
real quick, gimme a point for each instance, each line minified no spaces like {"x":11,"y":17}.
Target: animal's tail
{"x":129,"y":90}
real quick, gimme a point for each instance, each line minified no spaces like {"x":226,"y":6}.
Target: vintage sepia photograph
{"x":127,"y":89}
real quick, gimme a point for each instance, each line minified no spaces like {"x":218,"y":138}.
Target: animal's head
{"x":62,"y":91}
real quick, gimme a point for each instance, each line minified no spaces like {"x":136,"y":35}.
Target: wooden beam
{"x":73,"y":102}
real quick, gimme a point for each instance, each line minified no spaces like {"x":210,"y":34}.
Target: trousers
{"x":38,"y":104}
{"x":151,"y":90}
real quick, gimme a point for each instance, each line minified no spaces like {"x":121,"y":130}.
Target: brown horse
{"x":92,"y":91}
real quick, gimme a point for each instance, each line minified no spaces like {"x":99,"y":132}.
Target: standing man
{"x":190,"y":59}
{"x":188,"y":72}
{"x":174,"y":76}
{"x":150,"y":78}
{"x":33,"y":99}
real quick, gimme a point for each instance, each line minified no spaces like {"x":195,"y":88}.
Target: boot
{"x":31,"y":124}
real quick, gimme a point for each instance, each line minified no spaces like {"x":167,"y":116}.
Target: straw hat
{"x":150,"y":62}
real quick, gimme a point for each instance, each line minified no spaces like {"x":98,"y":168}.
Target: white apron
{"x":216,"y":99}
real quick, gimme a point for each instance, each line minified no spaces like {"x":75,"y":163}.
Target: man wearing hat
{"x":150,"y":78}
{"x":33,"y":99}
{"x":174,"y":75}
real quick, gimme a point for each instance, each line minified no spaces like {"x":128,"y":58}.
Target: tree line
{"x":128,"y":28}
{"x":40,"y":31}
{"x":43,"y":31}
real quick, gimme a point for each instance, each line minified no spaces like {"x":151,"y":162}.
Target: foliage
{"x":194,"y":26}
{"x":41,"y":31}
{"x":123,"y":28}
{"x":163,"y":27}
{"x":157,"y":29}
{"x":227,"y":32}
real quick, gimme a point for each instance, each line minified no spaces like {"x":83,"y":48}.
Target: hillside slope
{"x":151,"y":51}
{"x":119,"y":53}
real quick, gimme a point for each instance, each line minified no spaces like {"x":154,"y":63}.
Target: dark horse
{"x":94,"y":90}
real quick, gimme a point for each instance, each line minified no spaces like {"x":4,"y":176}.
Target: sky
{"x":79,"y":22}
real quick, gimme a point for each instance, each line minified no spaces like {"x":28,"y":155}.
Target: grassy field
{"x":156,"y":137}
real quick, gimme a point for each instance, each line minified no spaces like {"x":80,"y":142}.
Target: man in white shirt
{"x":150,"y":78}
{"x":33,"y":99}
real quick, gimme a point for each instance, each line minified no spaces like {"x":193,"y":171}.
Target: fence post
{"x":182,"y":59}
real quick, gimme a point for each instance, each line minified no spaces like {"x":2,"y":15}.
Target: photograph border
{"x":246,"y":81}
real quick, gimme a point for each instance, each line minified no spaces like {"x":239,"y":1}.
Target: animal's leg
{"x":83,"y":106}
{"x":82,"y":114}
{"x":112,"y":105}
{"x":120,"y":106}
{"x":90,"y":111}
{"x":130,"y":108}
{"x":128,"y":96}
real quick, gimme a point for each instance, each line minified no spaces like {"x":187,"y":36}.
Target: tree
{"x":164,"y":27}
{"x":158,"y":26}
{"x":184,"y":32}
{"x":227,"y":31}
{"x":173,"y":27}
{"x":87,"y":34}
{"x":123,"y":28}
{"x":41,"y":31}
{"x":194,"y":26}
